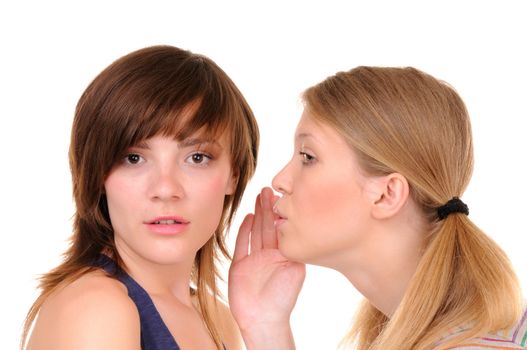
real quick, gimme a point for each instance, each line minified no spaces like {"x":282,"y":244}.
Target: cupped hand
{"x":263,"y":284}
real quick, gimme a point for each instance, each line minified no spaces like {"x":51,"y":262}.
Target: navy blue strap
{"x":154,"y":333}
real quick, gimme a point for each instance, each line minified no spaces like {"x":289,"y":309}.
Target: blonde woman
{"x":381,"y":159}
{"x":162,"y":147}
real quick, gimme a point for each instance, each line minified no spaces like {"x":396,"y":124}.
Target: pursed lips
{"x":280,"y":218}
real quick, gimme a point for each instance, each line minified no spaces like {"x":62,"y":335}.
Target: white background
{"x":273,"y":50}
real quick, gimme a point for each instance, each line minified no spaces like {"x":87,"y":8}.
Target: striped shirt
{"x":513,"y":338}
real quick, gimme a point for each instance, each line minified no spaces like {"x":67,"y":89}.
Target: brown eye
{"x":199,"y":158}
{"x":133,"y":158}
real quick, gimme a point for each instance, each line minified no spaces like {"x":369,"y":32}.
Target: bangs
{"x":177,"y":103}
{"x":206,"y":121}
{"x":195,"y":118}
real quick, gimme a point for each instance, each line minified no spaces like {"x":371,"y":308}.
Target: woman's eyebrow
{"x":304,"y":135}
{"x":193,"y":141}
{"x":142,"y":145}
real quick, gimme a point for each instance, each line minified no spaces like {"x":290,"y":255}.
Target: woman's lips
{"x":280,"y":218}
{"x":167,"y":225}
{"x":279,"y":221}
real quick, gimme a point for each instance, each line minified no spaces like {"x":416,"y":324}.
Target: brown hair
{"x":140,"y":95}
{"x":406,"y":121}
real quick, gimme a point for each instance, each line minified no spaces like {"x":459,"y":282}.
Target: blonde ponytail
{"x":403,"y":120}
{"x":463,"y":278}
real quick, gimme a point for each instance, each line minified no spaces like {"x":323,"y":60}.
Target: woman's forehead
{"x":310,"y":128}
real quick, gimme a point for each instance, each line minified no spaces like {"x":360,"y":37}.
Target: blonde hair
{"x":140,"y":95}
{"x":406,"y":121}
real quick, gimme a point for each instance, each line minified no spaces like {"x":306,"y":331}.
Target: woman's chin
{"x":291,"y":251}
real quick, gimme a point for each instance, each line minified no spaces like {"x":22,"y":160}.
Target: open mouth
{"x":167,"y":222}
{"x":168,"y":225}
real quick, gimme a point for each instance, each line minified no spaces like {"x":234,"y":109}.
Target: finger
{"x":256,"y":232}
{"x":269,"y":239}
{"x":241,"y":248}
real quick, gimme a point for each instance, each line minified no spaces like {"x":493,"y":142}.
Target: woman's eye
{"x":199,"y":158}
{"x":307,"y":158}
{"x":133,"y":158}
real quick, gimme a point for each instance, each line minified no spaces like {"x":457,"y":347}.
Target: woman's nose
{"x":282,"y":181}
{"x":166,"y":183}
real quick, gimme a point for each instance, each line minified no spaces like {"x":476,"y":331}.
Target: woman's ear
{"x":392,"y":193}
{"x":232,"y":183}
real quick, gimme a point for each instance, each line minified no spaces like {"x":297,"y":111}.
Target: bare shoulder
{"x":84,"y":315}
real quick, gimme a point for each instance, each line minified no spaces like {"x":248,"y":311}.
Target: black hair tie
{"x":455,"y":205}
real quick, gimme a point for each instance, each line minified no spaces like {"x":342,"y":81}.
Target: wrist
{"x":269,"y":336}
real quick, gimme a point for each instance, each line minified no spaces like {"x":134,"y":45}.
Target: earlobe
{"x":231,"y":185}
{"x":392,"y":196}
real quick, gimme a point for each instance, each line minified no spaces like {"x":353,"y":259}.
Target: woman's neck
{"x":160,"y":279}
{"x":383,"y":267}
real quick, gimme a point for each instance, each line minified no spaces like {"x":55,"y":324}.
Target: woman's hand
{"x":263,"y":284}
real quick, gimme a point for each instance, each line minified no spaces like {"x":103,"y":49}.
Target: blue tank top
{"x":154,"y":333}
